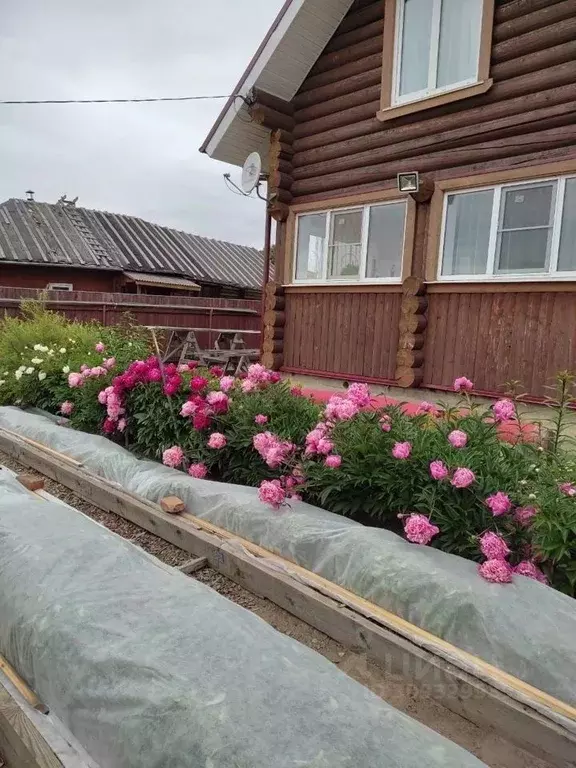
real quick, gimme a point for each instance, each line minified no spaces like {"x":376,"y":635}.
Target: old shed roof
{"x":61,"y":234}
{"x":296,"y":39}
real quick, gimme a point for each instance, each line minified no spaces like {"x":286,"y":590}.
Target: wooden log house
{"x":473,"y":272}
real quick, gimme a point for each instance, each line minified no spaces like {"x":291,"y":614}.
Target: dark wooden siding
{"x":31,"y":276}
{"x":495,"y":338}
{"x":340,"y":147}
{"x":350,"y":334}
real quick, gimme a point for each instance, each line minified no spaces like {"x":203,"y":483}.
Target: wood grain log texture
{"x":410,"y":354}
{"x":274,"y":321}
{"x":280,"y":174}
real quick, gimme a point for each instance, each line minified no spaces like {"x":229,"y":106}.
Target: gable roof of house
{"x":60,"y":234}
{"x":294,"y":42}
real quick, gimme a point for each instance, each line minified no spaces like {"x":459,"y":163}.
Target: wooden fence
{"x":165,"y":311}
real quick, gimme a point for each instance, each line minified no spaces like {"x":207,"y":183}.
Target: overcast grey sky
{"x":139,"y":159}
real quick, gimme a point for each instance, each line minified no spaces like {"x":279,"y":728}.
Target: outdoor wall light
{"x":408,"y":182}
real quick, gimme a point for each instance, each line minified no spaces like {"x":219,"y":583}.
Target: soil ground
{"x":492,"y":749}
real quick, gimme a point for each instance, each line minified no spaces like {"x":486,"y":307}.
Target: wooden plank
{"x":21,"y":743}
{"x":193,"y":565}
{"x":22,"y":686}
{"x":467,"y":685}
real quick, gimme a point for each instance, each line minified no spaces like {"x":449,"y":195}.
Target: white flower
{"x":41,"y":375}
{"x":531,"y":495}
{"x":66,"y":369}
{"x":2,"y":382}
{"x":62,"y":350}
{"x":50,"y":353}
{"x":6,"y":373}
{"x":523,"y":482}
{"x":18,"y":374}
{"x":22,"y":368}
{"x":36,"y":360}
{"x":43,"y":349}
{"x":37,"y":347}
{"x":540,"y":448}
{"x":29,"y":370}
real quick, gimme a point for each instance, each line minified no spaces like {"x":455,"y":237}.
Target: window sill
{"x":437,"y":100}
{"x":365,"y":287}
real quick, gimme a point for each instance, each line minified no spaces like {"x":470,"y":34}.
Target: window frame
{"x":552,"y":274}
{"x":362,"y":280}
{"x":391,"y":104}
{"x":60,"y":287}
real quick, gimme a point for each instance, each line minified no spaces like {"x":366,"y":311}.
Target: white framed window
{"x":521,"y":230}
{"x":351,"y":245}
{"x":60,"y":287}
{"x":437,"y":47}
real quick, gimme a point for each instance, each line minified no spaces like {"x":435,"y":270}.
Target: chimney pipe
{"x":30,"y":195}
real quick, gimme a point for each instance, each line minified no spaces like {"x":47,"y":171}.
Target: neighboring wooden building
{"x":62,"y":247}
{"x":476,"y":273}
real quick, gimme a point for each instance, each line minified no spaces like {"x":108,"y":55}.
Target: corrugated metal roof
{"x":143,"y":278}
{"x":63,"y":235}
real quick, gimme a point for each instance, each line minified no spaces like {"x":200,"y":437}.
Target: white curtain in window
{"x":345,"y":246}
{"x":386,"y":240}
{"x":567,"y":256}
{"x":310,"y":250}
{"x":460,"y":24}
{"x":467,"y":233}
{"x":415,"y":54}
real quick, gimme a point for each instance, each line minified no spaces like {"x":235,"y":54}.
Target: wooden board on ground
{"x":529,"y":718}
{"x":21,"y":743}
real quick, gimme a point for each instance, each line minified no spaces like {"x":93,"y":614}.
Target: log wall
{"x":335,"y":146}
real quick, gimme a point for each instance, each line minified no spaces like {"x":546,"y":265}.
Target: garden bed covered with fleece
{"x":525,"y":629}
{"x":149,"y":668}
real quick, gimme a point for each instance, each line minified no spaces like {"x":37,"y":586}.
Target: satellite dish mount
{"x":252,"y":177}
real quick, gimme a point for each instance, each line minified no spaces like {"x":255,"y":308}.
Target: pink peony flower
{"x":524,"y":515}
{"x":192,"y":364}
{"x":504,"y":410}
{"x":217,"y":371}
{"x":493,"y":547}
{"x":426,"y":407}
{"x":108,"y":426}
{"x":198,"y":383}
{"x":567,"y":489}
{"x":333,"y":461}
{"x":121,"y":425}
{"x":274,"y":377}
{"x":173,"y":457}
{"x":385,"y":424}
{"x":359,"y":394}
{"x":248,"y":386}
{"x":457,"y":438}
{"x":188,"y":409}
{"x":530,"y":570}
{"x":99,"y":370}
{"x":110,"y":363}
{"x":75,"y":380}
{"x":100,"y":347}
{"x":462,"y":478}
{"x":340,"y":409}
{"x":258,"y":374}
{"x":272,"y":449}
{"x":438,"y":470}
{"x":201,"y":420}
{"x":462,"y":384}
{"x":261,"y":419}
{"x":217,"y":440}
{"x":272,"y":493}
{"x":172,"y":385}
{"x":499,"y":504}
{"x":402,"y":450}
{"x":66,"y":408}
{"x":419,"y":529}
{"x":218,"y":401}
{"x":497,"y":571}
{"x":324,"y":446}
{"x":226,"y":383}
{"x":199,"y":471}
{"x":84,"y":368}
{"x":296,"y":392}
{"x":154,"y":374}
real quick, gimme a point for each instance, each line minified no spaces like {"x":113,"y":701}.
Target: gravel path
{"x":407,"y":697}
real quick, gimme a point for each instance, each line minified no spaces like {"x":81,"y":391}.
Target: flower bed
{"x":444,"y":475}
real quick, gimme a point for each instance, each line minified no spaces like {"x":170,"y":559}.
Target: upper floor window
{"x":435,"y":51}
{"x":522,"y":230}
{"x":364,"y":244}
{"x":438,"y":46}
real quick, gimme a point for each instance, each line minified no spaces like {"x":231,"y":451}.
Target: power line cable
{"x":115,"y":101}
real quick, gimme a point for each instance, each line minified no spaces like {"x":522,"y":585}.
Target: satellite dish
{"x":251,"y":172}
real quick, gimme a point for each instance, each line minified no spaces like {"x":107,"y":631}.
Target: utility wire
{"x":115,"y":101}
